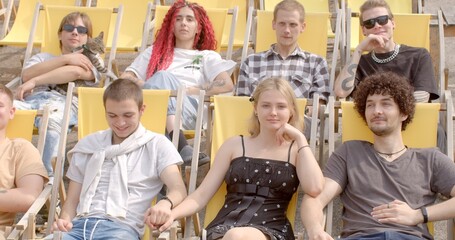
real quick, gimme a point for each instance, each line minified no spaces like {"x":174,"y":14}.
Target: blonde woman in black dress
{"x":262,"y":171}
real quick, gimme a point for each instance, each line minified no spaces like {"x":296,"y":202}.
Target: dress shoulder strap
{"x":243,"y":146}
{"x":289,"y":151}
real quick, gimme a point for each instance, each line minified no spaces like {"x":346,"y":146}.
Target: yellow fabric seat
{"x":20,"y":31}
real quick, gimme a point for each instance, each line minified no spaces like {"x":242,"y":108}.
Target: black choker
{"x":389,"y":155}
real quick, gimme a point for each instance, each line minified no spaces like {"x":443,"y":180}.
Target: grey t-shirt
{"x":368,"y":180}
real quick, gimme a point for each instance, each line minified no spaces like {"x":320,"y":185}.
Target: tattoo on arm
{"x":216,"y":83}
{"x":348,"y":83}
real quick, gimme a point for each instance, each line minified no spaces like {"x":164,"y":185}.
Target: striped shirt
{"x":306,"y":72}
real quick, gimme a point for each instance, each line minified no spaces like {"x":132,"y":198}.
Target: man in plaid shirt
{"x":306,"y":72}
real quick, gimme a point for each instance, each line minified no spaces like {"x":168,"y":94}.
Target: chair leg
{"x":31,"y":226}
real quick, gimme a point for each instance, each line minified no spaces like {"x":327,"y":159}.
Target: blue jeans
{"x":99,"y":229}
{"x":166,"y":80}
{"x":55,"y":101}
{"x":389,"y":235}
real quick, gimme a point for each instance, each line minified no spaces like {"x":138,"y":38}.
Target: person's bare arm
{"x":69,"y":208}
{"x":399,"y":212}
{"x":20,"y":199}
{"x":176,"y":192}
{"x":59,"y":75}
{"x":311,"y":210}
{"x":132,"y":76}
{"x":221,"y":84}
{"x":73,"y":59}
{"x":344,"y":83}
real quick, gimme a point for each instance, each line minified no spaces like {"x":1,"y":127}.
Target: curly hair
{"x":163,"y":47}
{"x":386,"y":83}
{"x":286,"y":90}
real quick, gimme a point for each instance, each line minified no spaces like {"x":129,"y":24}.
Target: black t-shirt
{"x":411,"y":62}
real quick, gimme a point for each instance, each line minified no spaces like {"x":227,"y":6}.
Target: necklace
{"x":389,"y":155}
{"x":386,"y":60}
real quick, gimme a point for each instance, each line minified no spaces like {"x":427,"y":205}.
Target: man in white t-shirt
{"x":115,"y":174}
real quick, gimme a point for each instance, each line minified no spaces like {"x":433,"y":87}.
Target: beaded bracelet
{"x":169,"y":200}
{"x":302,"y":147}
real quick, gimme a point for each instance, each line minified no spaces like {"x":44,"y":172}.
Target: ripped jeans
{"x":56,"y":102}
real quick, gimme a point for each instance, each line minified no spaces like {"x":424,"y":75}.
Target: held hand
{"x":397,"y":212}
{"x":78,"y":59}
{"x":156,"y":216}
{"x":62,"y":225}
{"x":371,"y":42}
{"x":25,"y":89}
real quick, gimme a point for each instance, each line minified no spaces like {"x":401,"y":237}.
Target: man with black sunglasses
{"x":384,"y":54}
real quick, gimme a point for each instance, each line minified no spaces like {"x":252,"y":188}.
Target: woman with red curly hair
{"x":184,"y":57}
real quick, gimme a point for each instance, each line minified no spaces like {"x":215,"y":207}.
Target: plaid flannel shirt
{"x":306,"y":72}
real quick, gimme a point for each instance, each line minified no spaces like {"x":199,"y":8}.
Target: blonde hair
{"x":290,"y":5}
{"x":370,"y":4}
{"x":286,"y":90}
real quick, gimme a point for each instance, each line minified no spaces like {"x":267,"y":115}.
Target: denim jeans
{"x":56,"y":103}
{"x":98,"y":229}
{"x":388,"y":235}
{"x":166,"y":80}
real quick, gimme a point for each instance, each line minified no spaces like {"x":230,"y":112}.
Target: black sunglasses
{"x":381,"y":20}
{"x":70,"y":28}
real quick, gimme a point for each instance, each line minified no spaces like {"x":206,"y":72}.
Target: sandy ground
{"x":11,"y":61}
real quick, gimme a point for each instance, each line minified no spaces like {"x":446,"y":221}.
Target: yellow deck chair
{"x":218,"y":17}
{"x":133,"y":34}
{"x":91,"y":115}
{"x":312,"y":39}
{"x":240,"y":24}
{"x":21,"y":126}
{"x":19,"y":34}
{"x":311,"y":6}
{"x":420,"y":133}
{"x":53,"y":15}
{"x":233,"y":121}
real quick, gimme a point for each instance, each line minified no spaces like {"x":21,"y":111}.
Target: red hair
{"x":163,"y":48}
